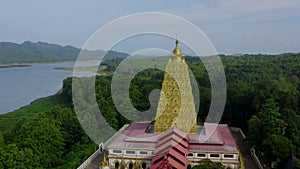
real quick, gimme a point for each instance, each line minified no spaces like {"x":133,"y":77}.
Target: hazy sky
{"x":233,"y":26}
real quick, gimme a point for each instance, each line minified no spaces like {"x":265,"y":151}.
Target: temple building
{"x":173,"y":139}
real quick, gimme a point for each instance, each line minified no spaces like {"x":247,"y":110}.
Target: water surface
{"x":21,"y":85}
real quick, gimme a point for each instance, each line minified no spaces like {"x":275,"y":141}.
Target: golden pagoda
{"x":176,"y":103}
{"x":175,"y":141}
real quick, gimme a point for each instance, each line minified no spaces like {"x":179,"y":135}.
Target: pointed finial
{"x":104,"y":158}
{"x":177,"y":51}
{"x":123,"y":164}
{"x":104,"y":163}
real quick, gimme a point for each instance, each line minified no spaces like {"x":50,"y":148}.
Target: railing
{"x":88,"y":161}
{"x":102,"y":146}
{"x":238,"y":130}
{"x":254,"y":156}
{"x":256,"y":159}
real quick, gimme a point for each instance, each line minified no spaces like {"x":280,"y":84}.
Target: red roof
{"x":214,"y":137}
{"x":170,"y":147}
{"x":164,"y":165}
{"x":134,"y":136}
{"x":219,"y":140}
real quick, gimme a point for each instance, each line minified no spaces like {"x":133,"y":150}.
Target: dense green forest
{"x":262,"y":99}
{"x":30,"y":52}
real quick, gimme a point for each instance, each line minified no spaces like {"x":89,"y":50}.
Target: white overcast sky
{"x":233,"y":26}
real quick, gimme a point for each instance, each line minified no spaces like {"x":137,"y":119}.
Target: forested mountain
{"x":263,"y":98}
{"x":30,"y":52}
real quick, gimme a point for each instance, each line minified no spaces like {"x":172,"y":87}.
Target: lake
{"x":19,"y":86}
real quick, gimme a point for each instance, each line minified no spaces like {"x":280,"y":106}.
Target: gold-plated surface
{"x":176,"y":104}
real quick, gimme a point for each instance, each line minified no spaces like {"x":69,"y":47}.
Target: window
{"x":215,"y":155}
{"x":190,"y":155}
{"x":117,"y":151}
{"x":130,"y":152}
{"x":228,"y":156}
{"x":201,"y":155}
{"x":143,"y":152}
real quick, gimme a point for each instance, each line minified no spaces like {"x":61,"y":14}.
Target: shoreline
{"x":14,"y":65}
{"x":34,"y":101}
{"x":28,"y":64}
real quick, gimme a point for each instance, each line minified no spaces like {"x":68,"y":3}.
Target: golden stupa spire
{"x":176,"y":106}
{"x":177,"y":51}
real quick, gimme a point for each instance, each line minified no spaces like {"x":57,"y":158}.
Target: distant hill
{"x":36,"y":52}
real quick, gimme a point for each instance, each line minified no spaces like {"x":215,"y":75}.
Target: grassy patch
{"x":8,"y":120}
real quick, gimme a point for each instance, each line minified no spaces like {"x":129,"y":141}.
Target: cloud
{"x":243,"y":11}
{"x":229,"y":23}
